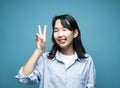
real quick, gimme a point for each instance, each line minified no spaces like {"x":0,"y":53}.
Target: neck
{"x":69,"y":51}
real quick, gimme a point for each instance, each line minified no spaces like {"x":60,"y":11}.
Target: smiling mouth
{"x":61,"y":41}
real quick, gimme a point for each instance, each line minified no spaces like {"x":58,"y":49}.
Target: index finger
{"x":39,"y":29}
{"x":44,"y":32}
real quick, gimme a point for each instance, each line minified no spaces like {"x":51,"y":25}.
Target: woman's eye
{"x":65,"y":29}
{"x":55,"y":30}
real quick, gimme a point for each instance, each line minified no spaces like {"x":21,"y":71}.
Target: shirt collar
{"x":59,"y":59}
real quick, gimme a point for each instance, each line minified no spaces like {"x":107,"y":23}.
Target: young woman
{"x":66,"y":66}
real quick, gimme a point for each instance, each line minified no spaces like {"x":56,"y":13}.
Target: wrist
{"x":39,"y":50}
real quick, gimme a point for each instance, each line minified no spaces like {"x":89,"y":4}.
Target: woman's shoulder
{"x":43,"y":57}
{"x":88,"y":57}
{"x":45,"y":54}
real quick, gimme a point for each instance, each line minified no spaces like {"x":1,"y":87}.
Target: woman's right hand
{"x":41,"y":39}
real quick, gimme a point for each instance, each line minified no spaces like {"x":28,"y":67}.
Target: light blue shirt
{"x":53,"y":74}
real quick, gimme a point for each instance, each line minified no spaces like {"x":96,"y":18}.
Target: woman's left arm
{"x":91,"y":80}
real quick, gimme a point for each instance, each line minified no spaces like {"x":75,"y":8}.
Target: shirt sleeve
{"x":34,"y":77}
{"x":30,"y":79}
{"x":91,"y":82}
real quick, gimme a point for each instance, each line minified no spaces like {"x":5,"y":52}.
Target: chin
{"x":62,"y":46}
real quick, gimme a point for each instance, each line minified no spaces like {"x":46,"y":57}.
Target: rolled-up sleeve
{"x":36,"y":75}
{"x":30,"y":79}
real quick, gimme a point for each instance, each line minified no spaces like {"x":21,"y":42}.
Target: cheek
{"x":54,"y":35}
{"x":71,"y":35}
{"x":70,"y":38}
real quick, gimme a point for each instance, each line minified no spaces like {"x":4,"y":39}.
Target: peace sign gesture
{"x":41,"y":38}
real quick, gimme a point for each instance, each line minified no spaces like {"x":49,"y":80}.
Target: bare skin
{"x":64,"y":38}
{"x":40,"y":47}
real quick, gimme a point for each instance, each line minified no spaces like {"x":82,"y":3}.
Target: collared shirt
{"x":80,"y":73}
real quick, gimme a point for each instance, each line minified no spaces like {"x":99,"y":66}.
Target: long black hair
{"x":69,"y":22}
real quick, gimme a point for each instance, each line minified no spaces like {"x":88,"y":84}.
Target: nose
{"x":60,"y":34}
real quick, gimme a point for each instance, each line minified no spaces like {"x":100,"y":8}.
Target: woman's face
{"x":63,"y":36}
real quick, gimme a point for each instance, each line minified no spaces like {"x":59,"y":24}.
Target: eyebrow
{"x":58,"y":28}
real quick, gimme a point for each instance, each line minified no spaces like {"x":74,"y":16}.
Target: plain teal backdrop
{"x":99,"y":21}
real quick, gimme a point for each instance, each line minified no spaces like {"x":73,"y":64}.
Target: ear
{"x":75,"y":33}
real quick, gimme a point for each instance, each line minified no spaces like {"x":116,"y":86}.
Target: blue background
{"x":99,"y":21}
